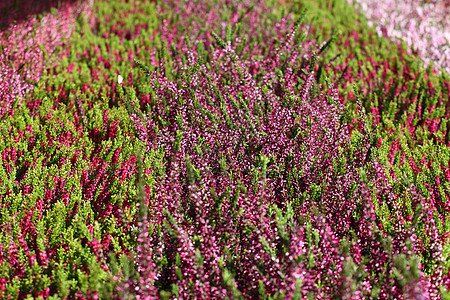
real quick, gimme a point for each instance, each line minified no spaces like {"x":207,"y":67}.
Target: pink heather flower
{"x":423,"y":25}
{"x":22,"y":60}
{"x":241,"y":140}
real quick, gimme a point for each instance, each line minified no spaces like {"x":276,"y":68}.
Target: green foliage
{"x":49,"y":180}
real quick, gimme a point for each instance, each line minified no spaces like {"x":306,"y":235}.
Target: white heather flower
{"x":119,"y":79}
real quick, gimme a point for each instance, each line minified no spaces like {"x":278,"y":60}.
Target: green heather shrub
{"x":68,"y":164}
{"x":407,"y":104}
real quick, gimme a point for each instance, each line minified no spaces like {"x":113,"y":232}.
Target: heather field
{"x":220,"y":149}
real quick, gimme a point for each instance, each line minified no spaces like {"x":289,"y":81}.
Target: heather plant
{"x":423,"y":25}
{"x":221,"y":149}
{"x":68,"y":161}
{"x":16,"y":12}
{"x":62,"y":193}
{"x":264,"y":188}
{"x":408,"y":104}
{"x":417,"y":96}
{"x":28,"y":47}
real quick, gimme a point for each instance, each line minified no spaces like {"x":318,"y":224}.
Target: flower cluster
{"x":423,"y":25}
{"x":26,"y":46}
{"x":265,"y":192}
{"x":219,"y":149}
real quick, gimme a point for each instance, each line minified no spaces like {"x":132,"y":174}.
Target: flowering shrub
{"x":222,"y":149}
{"x":25,"y":46}
{"x":423,"y":25}
{"x":67,"y":177}
{"x":408,"y":105}
{"x":264,"y":189}
{"x":19,"y":11}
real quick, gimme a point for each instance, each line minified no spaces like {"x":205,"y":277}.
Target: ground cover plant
{"x":421,"y":24}
{"x":221,"y":149}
